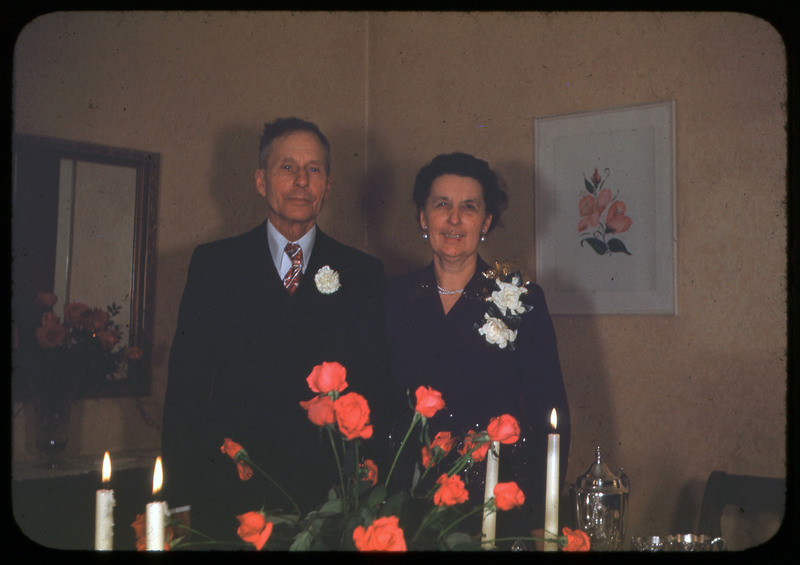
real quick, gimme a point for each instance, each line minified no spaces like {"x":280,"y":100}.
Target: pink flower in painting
{"x":602,"y":216}
{"x":616,"y":220}
{"x":592,"y":208}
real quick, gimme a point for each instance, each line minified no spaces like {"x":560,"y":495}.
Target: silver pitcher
{"x":601,"y":503}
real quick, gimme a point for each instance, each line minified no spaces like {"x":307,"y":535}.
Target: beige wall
{"x":669,"y":398}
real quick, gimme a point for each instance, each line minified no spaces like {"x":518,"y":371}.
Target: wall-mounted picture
{"x":604,"y":188}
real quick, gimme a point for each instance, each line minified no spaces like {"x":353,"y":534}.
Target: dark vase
{"x":52,"y":404}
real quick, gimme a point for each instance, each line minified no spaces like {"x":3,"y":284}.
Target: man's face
{"x":295,"y":182}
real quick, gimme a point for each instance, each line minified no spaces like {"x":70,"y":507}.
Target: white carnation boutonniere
{"x":327,"y":280}
{"x":504,"y":307}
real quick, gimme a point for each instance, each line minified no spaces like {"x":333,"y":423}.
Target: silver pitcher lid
{"x":599,"y":478}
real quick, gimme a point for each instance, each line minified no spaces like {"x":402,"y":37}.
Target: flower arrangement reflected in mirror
{"x":72,"y":357}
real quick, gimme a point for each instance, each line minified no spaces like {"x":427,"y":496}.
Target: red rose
{"x":73,"y":313}
{"x":508,"y":496}
{"x":504,"y":429}
{"x":109,"y":337}
{"x":46,"y":300}
{"x":577,"y":540}
{"x":383,"y":534}
{"x":480,"y":452}
{"x":95,"y":319}
{"x":443,"y":441}
{"x":352,"y":415}
{"x":49,"y":317}
{"x":139,"y":531}
{"x":452,"y":491}
{"x":51,"y":334}
{"x":133,"y":353}
{"x":320,"y":410}
{"x":368,"y":472}
{"x":254,"y":528}
{"x":327,"y":377}
{"x":429,"y":401}
{"x":616,"y":220}
{"x":232,"y":450}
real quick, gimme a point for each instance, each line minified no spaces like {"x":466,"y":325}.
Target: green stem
{"x":424,"y":522}
{"x":357,"y":481}
{"x":417,"y":417}
{"x":448,"y":528}
{"x":250,"y":462}
{"x":181,"y":525}
{"x":338,"y":463}
{"x":460,"y":463}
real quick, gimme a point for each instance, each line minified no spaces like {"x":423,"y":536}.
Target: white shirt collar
{"x":277,"y":244}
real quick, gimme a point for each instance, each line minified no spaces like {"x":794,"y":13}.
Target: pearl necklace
{"x":445,"y":291}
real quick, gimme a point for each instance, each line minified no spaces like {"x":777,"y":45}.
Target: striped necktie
{"x":292,"y":278}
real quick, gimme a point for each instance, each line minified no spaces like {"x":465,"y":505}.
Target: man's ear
{"x":261,"y":182}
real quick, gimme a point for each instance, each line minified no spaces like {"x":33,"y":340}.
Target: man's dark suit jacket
{"x":238,"y":366}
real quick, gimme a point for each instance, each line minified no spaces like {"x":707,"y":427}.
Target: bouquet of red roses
{"x":360,"y":513}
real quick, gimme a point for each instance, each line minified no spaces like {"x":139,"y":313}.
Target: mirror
{"x":83,"y":228}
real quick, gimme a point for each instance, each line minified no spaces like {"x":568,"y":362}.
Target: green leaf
{"x":617,"y":246}
{"x":302,"y":542}
{"x":394,"y":505}
{"x":276,"y":519}
{"x":415,"y":478}
{"x":589,"y":185}
{"x":332,"y":507}
{"x":459,"y":541}
{"x":376,"y":496}
{"x":597,"y":244}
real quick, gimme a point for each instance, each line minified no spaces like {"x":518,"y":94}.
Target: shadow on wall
{"x":345,"y":216}
{"x":388,"y":205}
{"x":232,"y":181}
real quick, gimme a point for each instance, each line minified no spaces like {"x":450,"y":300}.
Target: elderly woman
{"x":441,"y":335}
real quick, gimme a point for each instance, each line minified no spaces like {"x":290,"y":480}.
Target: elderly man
{"x":259,"y":311}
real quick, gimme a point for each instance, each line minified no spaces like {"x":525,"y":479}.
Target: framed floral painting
{"x":605,"y":212}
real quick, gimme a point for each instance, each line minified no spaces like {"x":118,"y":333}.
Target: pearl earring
{"x":425,"y":233}
{"x":483,"y":235}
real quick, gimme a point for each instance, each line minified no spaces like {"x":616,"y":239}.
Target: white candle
{"x":104,"y":511}
{"x":552,"y":487}
{"x":490,"y":516}
{"x":154,"y":514}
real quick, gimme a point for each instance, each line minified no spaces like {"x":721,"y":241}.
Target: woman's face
{"x":454,"y":216}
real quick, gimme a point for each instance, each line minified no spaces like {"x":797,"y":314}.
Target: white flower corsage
{"x":497,"y":332}
{"x":507,"y":297}
{"x":504,"y":307}
{"x":327,"y":280}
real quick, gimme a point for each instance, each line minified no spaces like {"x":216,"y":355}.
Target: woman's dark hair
{"x":464,"y":165}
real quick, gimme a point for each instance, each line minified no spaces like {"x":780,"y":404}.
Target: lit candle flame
{"x":106,"y":468}
{"x":158,"y":476}
{"x":554,"y":419}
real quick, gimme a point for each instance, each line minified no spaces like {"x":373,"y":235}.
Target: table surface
{"x":55,"y":508}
